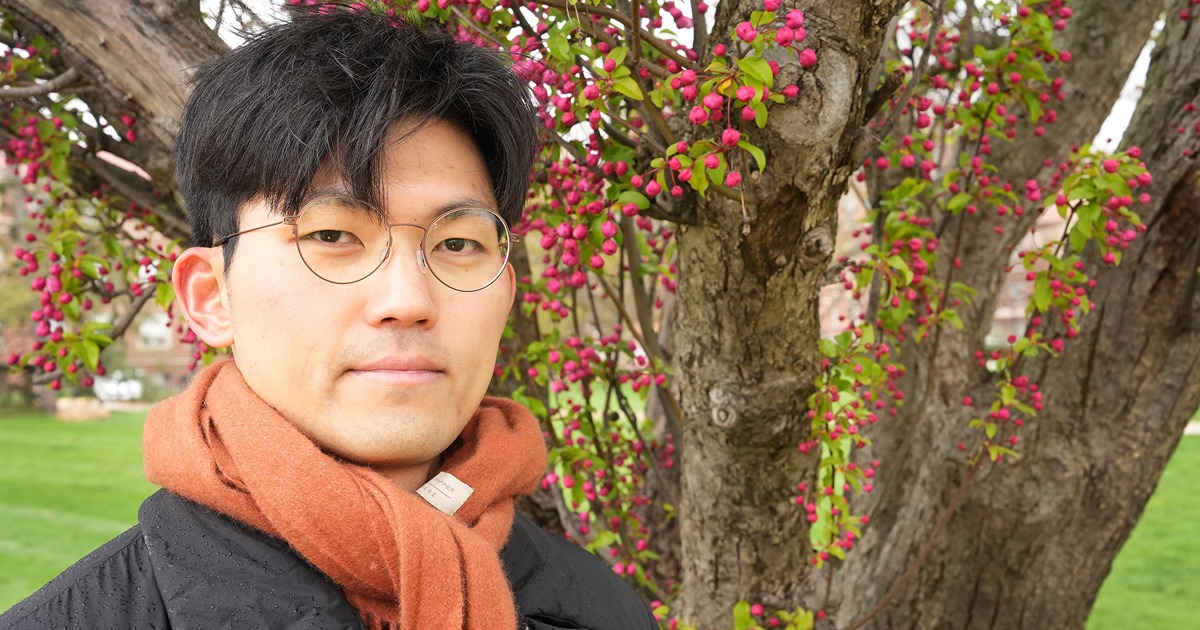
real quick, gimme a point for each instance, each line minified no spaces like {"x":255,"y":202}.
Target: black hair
{"x":324,"y":88}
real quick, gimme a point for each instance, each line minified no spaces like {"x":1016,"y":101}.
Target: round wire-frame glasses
{"x":336,"y":235}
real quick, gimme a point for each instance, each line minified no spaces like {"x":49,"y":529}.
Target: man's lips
{"x":415,"y":369}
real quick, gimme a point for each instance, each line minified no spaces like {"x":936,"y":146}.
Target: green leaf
{"x":1008,"y":393}
{"x":634,"y":197}
{"x":897,"y":263}
{"x":758,"y":69}
{"x":1077,"y":238}
{"x":760,"y":115}
{"x":951,"y":317}
{"x":618,"y":54}
{"x":699,"y":181}
{"x":89,"y":352}
{"x":94,"y":327}
{"x":656,"y":97}
{"x":760,"y":158}
{"x":1041,"y":292}
{"x":629,"y":87}
{"x":741,"y":616}
{"x":560,"y":47}
{"x":957,"y":202}
{"x":164,"y":295}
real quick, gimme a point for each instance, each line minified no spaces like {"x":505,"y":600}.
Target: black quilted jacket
{"x":184,"y":566}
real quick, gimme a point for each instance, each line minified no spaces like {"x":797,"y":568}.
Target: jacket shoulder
{"x":112,"y":587}
{"x":214,"y":572}
{"x":558,"y":584}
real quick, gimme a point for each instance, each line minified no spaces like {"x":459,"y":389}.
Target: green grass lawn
{"x":1155,"y":580}
{"x":65,"y":489}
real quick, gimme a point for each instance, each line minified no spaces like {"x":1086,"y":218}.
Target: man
{"x":349,"y":181}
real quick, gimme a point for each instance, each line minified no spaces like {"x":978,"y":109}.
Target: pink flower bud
{"x":732,"y":179}
{"x":698,"y":116}
{"x":745,"y":93}
{"x":712,"y":100}
{"x":785,"y":36}
{"x":808,"y":58}
{"x":746,"y":32}
{"x":730,"y":137}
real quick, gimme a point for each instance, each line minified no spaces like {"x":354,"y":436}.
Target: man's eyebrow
{"x":312,"y":195}
{"x":465,"y":201}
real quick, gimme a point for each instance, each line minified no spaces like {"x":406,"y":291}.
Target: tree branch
{"x":699,"y":29}
{"x":117,"y":331}
{"x":657,"y":43}
{"x":127,"y":184}
{"x":55,"y":84}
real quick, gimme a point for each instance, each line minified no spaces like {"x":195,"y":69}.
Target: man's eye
{"x":331,"y":236}
{"x":458,"y":245}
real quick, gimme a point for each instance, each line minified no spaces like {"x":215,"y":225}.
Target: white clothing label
{"x":445,"y":492}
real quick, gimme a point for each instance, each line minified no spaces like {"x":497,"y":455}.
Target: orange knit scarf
{"x":399,"y":561}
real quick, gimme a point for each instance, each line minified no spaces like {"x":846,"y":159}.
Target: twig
{"x":117,"y":331}
{"x":699,"y":28}
{"x":41,"y":89}
{"x":119,"y":180}
{"x":220,"y":17}
{"x":882,"y":131}
{"x":635,"y":17}
{"x":657,"y":43}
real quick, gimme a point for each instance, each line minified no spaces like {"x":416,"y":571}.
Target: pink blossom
{"x":746,"y":32}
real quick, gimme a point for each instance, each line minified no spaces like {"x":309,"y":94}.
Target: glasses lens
{"x":467,"y":249}
{"x":340,"y":239}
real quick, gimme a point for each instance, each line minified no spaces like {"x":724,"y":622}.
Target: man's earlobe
{"x":199,"y":279}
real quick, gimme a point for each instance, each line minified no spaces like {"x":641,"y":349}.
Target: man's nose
{"x":402,"y":289}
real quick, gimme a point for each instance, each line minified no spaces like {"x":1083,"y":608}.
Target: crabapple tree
{"x":699,"y":161}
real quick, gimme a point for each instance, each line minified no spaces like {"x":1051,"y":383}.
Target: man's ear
{"x":512,"y":285}
{"x":199,"y":280}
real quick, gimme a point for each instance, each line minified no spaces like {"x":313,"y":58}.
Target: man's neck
{"x":409,"y":478}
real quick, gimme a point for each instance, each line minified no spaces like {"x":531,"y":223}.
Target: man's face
{"x":385,"y":371}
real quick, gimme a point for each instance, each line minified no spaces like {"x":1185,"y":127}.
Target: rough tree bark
{"x":137,"y":56}
{"x":1032,"y":541}
{"x":747,"y":328}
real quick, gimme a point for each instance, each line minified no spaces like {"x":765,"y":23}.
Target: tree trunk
{"x":747,"y":328}
{"x":1032,"y":542}
{"x":138,"y":55}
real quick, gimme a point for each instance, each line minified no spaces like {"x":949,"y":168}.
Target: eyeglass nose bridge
{"x":422,"y":262}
